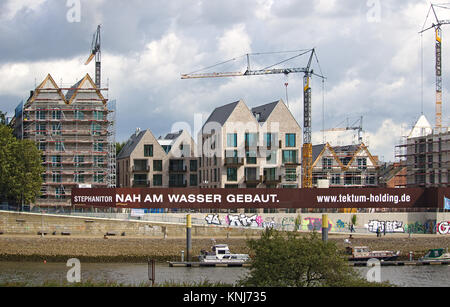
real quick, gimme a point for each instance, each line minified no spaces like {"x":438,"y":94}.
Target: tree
{"x":119,"y":147}
{"x":291,"y":260}
{"x":3,"y":118}
{"x":20,"y":168}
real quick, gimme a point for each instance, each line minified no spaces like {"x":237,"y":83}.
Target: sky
{"x":376,"y":64}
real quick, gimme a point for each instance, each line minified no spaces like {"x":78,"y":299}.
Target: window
{"x":251,"y":140}
{"x":140,"y":180}
{"x":289,"y":156}
{"x":78,"y":160}
{"x":98,"y":115}
{"x":269,"y":139}
{"x":41,"y":115}
{"x":42,"y":146}
{"x":327,"y":163}
{"x":193,"y":180}
{"x":79,"y":115}
{"x":231,"y":174}
{"x":41,"y":129}
{"x":99,"y":161}
{"x":290,"y":140}
{"x":251,"y":157}
{"x":56,"y":129}
{"x":157,"y":180}
{"x":251,"y":174}
{"x":167,"y":148}
{"x":148,"y":150}
{"x":193,"y":165}
{"x":59,"y":146}
{"x":140,"y":165}
{"x":157,"y":165}
{"x":291,"y":174}
{"x":371,"y":179}
{"x":59,"y":191}
{"x":336,"y":179}
{"x":362,"y":163}
{"x":271,"y":157}
{"x":99,"y":177}
{"x":79,"y":177}
{"x":56,"y":161}
{"x":96,"y":129}
{"x":232,"y":140}
{"x":98,"y":147}
{"x":56,"y":114}
{"x":56,"y":177}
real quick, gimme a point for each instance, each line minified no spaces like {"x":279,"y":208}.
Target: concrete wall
{"x":216,"y":224}
{"x":32,"y":223}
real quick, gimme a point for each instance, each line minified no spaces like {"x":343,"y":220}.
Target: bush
{"x":291,"y":260}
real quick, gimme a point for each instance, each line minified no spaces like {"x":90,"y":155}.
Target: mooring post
{"x":324,"y":228}
{"x":188,"y":237}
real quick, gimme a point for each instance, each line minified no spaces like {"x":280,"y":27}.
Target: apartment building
{"x":250,"y":148}
{"x":344,"y":166}
{"x":168,"y":162}
{"x":425,"y":152}
{"x":74,"y":129}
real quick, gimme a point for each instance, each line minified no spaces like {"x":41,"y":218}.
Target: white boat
{"x":220,"y":253}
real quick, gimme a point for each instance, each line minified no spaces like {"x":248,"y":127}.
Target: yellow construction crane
{"x":308,"y":73}
{"x":438,"y":31}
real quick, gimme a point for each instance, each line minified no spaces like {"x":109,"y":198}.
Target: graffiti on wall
{"x":315,"y":224}
{"x":213,"y":219}
{"x":386,"y":226}
{"x":443,"y":228}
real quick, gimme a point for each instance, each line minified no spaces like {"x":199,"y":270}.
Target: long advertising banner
{"x":433,"y":198}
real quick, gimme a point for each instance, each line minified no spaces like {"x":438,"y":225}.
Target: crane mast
{"x":307,"y":130}
{"x":438,"y":68}
{"x":97,"y":54}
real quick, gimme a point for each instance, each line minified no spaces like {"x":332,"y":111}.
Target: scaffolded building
{"x":425,"y":153}
{"x":74,"y":128}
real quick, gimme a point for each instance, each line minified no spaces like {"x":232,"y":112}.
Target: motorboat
{"x":437,"y":254}
{"x":363,"y":253}
{"x":220,"y":253}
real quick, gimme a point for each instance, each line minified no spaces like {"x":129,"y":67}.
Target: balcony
{"x":234,"y":161}
{"x":141,"y":183}
{"x":141,"y":169}
{"x":291,"y":163}
{"x":253,"y":179}
{"x":272,"y":179}
{"x":178,"y":168}
{"x":177,"y":184}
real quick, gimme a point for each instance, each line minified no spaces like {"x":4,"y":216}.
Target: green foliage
{"x":298,"y":222}
{"x":20,"y":168}
{"x":119,"y":147}
{"x":3,"y":118}
{"x":292,"y":260}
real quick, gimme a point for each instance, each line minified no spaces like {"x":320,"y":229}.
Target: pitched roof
{"x":317,"y":150}
{"x":263,"y":112}
{"x":221,"y":114}
{"x":421,"y":128}
{"x":131,"y":144}
{"x":173,"y":135}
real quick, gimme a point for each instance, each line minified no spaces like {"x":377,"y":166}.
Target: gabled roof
{"x":350,"y":150}
{"x":73,"y":92}
{"x":131,"y":144}
{"x":263,"y":112}
{"x":221,"y":114}
{"x":173,"y":135}
{"x":421,"y":128}
{"x":43,"y":86}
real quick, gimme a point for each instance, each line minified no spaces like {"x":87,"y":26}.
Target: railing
{"x":141,"y":183}
{"x":234,"y":161}
{"x":141,"y":169}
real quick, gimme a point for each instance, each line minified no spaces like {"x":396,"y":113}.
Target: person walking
{"x":378,"y":232}
{"x":352,"y":228}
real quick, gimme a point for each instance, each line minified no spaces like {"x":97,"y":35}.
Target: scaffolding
{"x":74,"y":127}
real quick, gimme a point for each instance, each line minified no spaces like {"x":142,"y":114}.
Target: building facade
{"x":344,"y":166}
{"x":250,"y":148}
{"x":167,"y":162}
{"x":74,"y":129}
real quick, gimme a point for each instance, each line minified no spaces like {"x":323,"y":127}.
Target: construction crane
{"x":438,"y":31}
{"x":308,"y":73}
{"x":353,"y":126}
{"x":97,"y":54}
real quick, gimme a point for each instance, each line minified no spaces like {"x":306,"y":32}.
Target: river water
{"x":135,"y":274}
